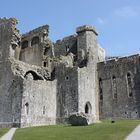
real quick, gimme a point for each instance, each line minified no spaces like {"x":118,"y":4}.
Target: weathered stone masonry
{"x":43,"y":83}
{"x":119,"y":88}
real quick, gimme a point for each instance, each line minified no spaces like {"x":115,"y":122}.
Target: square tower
{"x":87,"y":71}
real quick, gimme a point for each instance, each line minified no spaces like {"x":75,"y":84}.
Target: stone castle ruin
{"x":43,"y":83}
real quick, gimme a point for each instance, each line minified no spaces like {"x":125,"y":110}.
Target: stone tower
{"x":87,"y":71}
{"x":10,"y":84}
{"x":10,"y":39}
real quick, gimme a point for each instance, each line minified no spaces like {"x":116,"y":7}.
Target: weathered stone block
{"x":78,"y":119}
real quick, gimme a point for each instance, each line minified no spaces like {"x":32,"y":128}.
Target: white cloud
{"x":127,"y":12}
{"x":100,"y":20}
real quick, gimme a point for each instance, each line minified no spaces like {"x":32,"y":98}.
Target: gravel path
{"x":135,"y":135}
{"x":9,"y":134}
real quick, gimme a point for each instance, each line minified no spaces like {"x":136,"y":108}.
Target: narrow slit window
{"x":67,"y":48}
{"x":100,"y":89}
{"x":44,"y":110}
{"x":114,"y":87}
{"x":27,"y":108}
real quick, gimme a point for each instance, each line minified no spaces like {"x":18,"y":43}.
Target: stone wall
{"x":38,"y":94}
{"x":38,"y":103}
{"x":67,"y":92}
{"x":11,"y":95}
{"x":119,"y":88}
{"x":36,"y":47}
{"x":65,"y":46}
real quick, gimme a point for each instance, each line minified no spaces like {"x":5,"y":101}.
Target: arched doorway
{"x":88,"y":108}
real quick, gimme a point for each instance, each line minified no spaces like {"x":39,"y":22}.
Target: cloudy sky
{"x":117,"y":21}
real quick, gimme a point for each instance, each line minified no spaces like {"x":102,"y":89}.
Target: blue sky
{"x":117,"y":21}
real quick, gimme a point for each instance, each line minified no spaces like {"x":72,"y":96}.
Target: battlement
{"x":119,"y":60}
{"x":67,"y":38}
{"x":86,"y":28}
{"x":10,"y":20}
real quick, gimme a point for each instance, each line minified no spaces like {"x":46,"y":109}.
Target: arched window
{"x":100,"y":89}
{"x":45,"y":51}
{"x":24,"y":44}
{"x":32,"y":75}
{"x":88,"y":108}
{"x":35,"y":40}
{"x":27,"y":108}
{"x":114,"y":87}
{"x":129,"y":84}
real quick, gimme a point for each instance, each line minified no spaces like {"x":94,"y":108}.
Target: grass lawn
{"x":3,"y":131}
{"x":101,"y":131}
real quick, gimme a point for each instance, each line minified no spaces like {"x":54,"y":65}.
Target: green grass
{"x":3,"y":131}
{"x":101,"y":131}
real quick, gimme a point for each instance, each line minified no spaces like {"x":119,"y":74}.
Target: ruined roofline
{"x":66,"y":38}
{"x":119,"y":59}
{"x":37,"y":30}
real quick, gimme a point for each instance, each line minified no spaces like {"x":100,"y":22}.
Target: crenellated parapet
{"x":85,"y":28}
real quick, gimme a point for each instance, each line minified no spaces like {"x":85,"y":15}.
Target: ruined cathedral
{"x":44,"y":83}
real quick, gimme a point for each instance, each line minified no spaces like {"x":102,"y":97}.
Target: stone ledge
{"x":86,"y":28}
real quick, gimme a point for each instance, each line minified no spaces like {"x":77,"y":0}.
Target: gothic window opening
{"x":45,"y":51}
{"x":67,"y":48}
{"x":24,"y":44}
{"x":27,"y":108}
{"x":88,"y":108}
{"x":100,"y":89}
{"x":35,"y":41}
{"x":53,"y":74}
{"x":45,"y":64}
{"x":129,"y":84}
{"x":114,"y":87}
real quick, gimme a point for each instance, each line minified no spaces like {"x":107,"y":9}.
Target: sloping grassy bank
{"x":101,"y":131}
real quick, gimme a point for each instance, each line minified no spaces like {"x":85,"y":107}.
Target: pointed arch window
{"x":35,"y":41}
{"x":24,"y":44}
{"x":88,"y":108}
{"x":27,"y":108}
{"x":100,"y":89}
{"x":129,"y":81}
